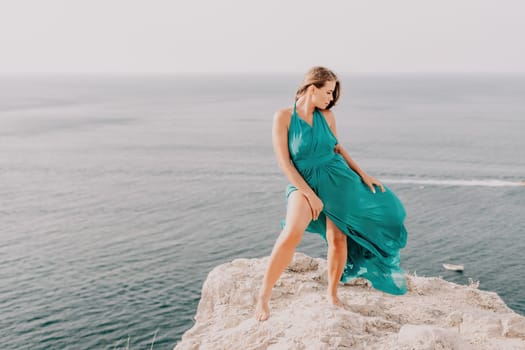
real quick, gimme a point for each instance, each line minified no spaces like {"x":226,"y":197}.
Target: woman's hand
{"x":371,"y":181}
{"x":315,"y":204}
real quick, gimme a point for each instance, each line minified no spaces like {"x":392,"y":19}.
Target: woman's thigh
{"x":298,"y":212}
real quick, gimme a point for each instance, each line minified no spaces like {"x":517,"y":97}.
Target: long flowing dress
{"x":373,"y":222}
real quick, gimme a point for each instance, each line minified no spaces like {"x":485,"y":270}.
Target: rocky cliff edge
{"x":433,"y":314}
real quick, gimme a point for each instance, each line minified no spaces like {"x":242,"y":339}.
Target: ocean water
{"x":120,"y":193}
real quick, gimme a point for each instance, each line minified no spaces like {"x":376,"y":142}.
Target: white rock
{"x":434,"y":314}
{"x":429,"y":337}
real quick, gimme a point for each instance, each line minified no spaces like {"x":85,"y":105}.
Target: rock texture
{"x":434,"y":314}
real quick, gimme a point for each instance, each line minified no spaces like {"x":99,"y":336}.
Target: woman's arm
{"x":280,"y":146}
{"x":367,"y":179}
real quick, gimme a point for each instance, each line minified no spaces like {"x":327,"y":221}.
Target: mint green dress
{"x":373,"y":222}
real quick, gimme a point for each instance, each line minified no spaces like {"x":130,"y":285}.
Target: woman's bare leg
{"x":337,"y":254}
{"x":298,"y":216}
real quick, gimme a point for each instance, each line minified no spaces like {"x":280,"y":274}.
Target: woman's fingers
{"x":315,"y":213}
{"x":316,"y":206}
{"x":379,"y":184}
{"x":371,"y":182}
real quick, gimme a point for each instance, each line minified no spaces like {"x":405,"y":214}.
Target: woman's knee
{"x":292,"y":236}
{"x":335,"y":238}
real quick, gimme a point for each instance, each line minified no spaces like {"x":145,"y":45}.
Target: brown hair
{"x":318,"y":76}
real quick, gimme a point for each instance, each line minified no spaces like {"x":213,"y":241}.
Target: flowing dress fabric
{"x":373,"y":222}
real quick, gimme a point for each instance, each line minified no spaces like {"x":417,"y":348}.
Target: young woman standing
{"x":360,"y":219}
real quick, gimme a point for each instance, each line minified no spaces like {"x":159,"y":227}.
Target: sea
{"x":120,"y":193}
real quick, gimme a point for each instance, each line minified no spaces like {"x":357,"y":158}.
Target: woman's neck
{"x":305,"y":107}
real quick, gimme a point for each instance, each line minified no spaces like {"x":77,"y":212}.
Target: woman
{"x":360,"y":219}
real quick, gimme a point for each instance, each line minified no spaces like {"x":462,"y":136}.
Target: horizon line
{"x":252,"y":73}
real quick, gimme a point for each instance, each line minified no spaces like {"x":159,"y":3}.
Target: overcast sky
{"x":348,"y":36}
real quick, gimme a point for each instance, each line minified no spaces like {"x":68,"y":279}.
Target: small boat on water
{"x":453,"y":267}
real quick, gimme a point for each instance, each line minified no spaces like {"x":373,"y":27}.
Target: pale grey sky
{"x":262,"y":36}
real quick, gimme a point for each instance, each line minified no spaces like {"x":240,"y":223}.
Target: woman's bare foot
{"x":334,"y":300}
{"x":262,"y":310}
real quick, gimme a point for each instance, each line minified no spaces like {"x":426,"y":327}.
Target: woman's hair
{"x":318,"y":76}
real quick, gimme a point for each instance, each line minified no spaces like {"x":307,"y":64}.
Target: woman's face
{"x":322,"y":97}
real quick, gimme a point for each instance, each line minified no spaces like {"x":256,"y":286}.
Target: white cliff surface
{"x":433,"y":314}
